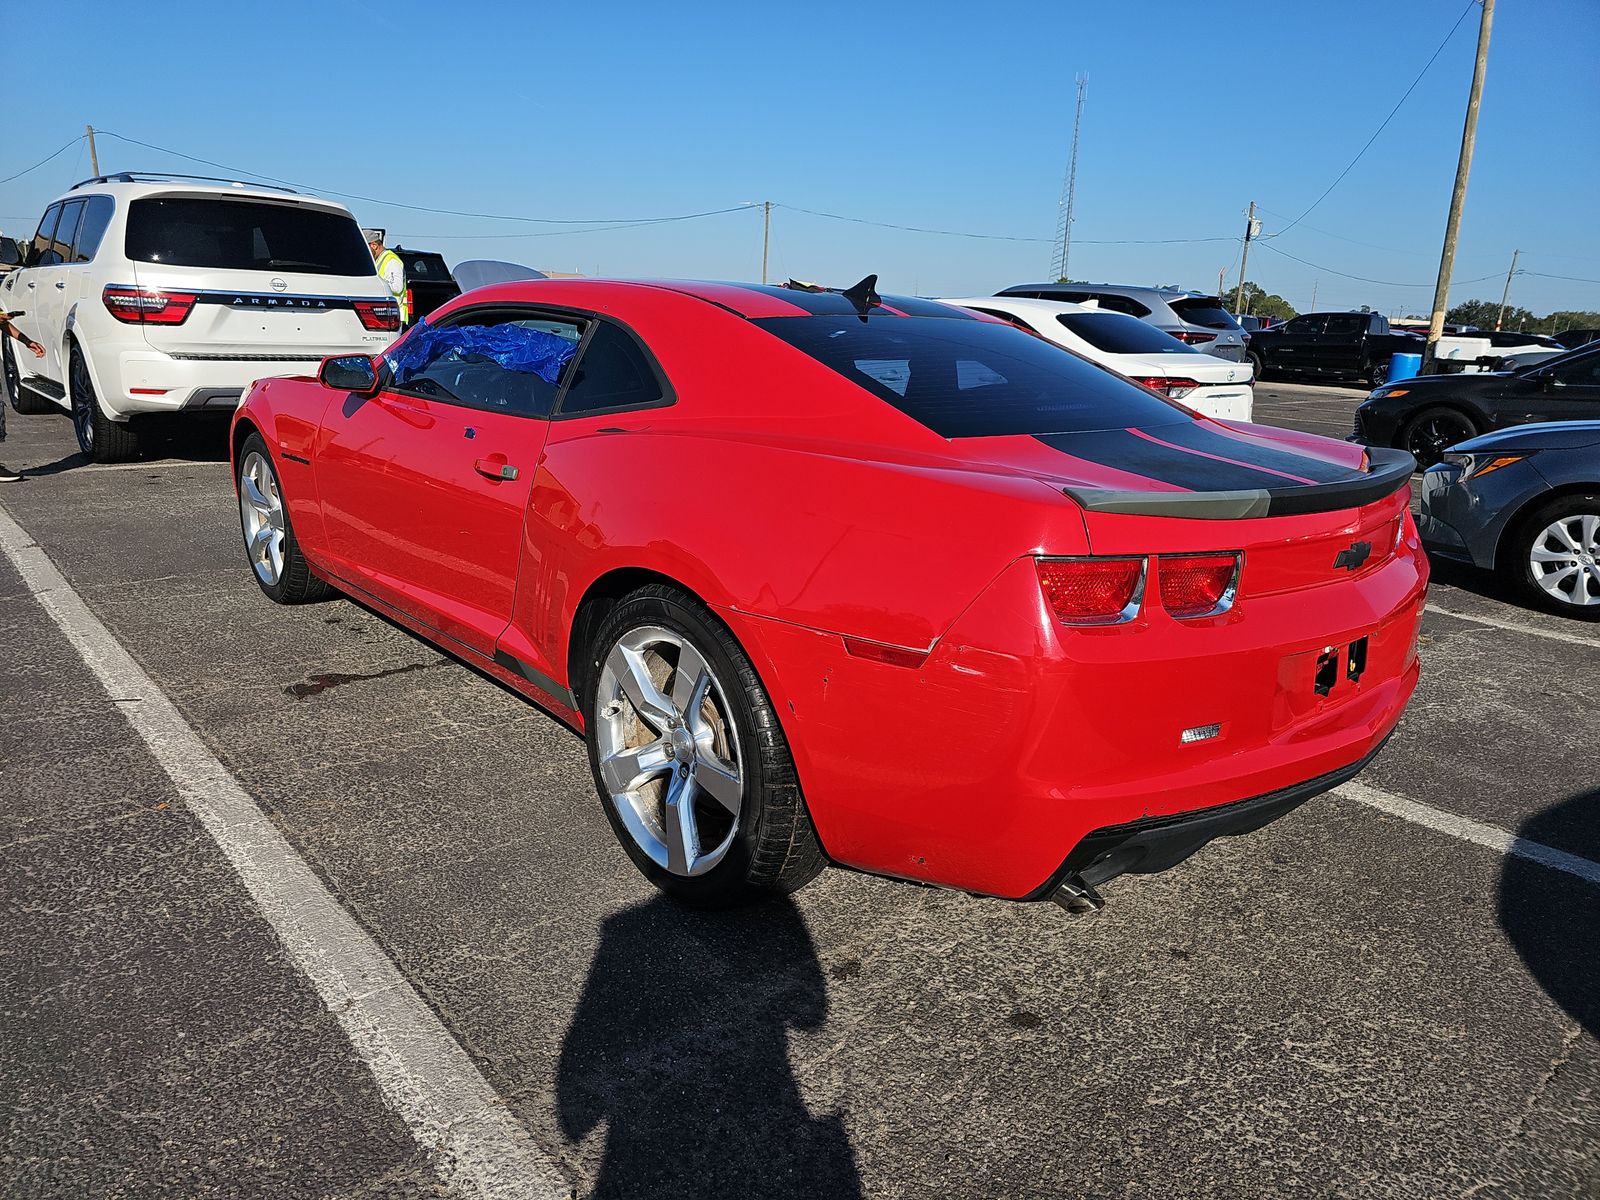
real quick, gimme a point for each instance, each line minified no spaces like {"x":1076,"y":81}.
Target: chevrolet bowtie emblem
{"x":1353,"y":556}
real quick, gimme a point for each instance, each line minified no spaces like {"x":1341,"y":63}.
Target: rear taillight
{"x":147,"y":306}
{"x":1192,"y":338}
{"x":1093,"y":591}
{"x":378,"y":314}
{"x":1198,"y":585}
{"x":1172,"y":389}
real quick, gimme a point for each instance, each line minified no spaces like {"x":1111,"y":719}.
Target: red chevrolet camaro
{"x":828,"y":577}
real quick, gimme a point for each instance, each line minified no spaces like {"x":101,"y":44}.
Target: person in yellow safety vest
{"x":392,"y":271}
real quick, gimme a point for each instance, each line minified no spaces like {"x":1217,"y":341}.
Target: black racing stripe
{"x":1127,"y":451}
{"x":1195,"y":435}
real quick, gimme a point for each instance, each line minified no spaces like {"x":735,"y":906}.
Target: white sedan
{"x":1131,"y":347}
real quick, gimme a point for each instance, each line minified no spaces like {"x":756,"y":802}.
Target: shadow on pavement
{"x":680,"y":1044}
{"x":1471,"y":579}
{"x":1552,"y":918}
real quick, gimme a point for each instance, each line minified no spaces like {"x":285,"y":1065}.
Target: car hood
{"x":1455,"y":384}
{"x":1200,"y":468}
{"x":1548,"y":435}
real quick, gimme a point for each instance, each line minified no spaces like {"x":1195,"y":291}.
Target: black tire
{"x":1378,"y":373}
{"x":295,"y":583}
{"x":1433,"y":431}
{"x":24,"y":402}
{"x":99,"y":437}
{"x":1514,"y":559}
{"x":774,"y":849}
{"x":1258,"y":368}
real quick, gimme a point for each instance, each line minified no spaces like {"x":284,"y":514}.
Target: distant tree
{"x":1482,"y":313}
{"x":1569,"y":319}
{"x":1259,"y":302}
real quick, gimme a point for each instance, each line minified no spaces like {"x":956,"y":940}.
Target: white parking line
{"x":477,"y":1146}
{"x":1554,"y":635}
{"x":1488,"y":836}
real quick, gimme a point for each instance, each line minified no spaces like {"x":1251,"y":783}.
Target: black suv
{"x":428,"y":282}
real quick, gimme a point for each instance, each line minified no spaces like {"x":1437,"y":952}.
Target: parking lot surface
{"x":1381,"y":994}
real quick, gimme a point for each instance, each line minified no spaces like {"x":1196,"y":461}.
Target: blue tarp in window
{"x":528,"y":351}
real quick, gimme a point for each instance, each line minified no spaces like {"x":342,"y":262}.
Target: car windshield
{"x":1560,"y":360}
{"x":245,"y":235}
{"x":973,"y":378}
{"x":1118,"y":334}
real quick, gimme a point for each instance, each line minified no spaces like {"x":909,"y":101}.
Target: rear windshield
{"x":1118,"y":334}
{"x":972,"y":378}
{"x":245,"y":235}
{"x":1206,"y":311}
{"x":424,"y":266}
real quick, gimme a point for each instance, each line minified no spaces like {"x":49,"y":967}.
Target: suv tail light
{"x":1093,"y":591}
{"x":1190,"y":337}
{"x":1198,"y":585}
{"x":1172,"y":389}
{"x":378,"y":314}
{"x":147,"y":306}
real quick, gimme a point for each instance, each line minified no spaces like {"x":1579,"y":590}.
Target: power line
{"x":997,"y":237}
{"x":442,"y":212}
{"x":42,"y":161}
{"x":1568,"y":278}
{"x":1266,"y":245}
{"x":495,"y":237}
{"x":1383,"y":126}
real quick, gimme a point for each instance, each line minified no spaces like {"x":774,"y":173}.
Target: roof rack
{"x":158,"y":176}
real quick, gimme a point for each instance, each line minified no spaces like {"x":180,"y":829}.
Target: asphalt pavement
{"x":1392,"y":992}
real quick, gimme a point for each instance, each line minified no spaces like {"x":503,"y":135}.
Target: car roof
{"x":1165,"y":293}
{"x":137,"y":184}
{"x":1026,"y":304}
{"x":753,"y":301}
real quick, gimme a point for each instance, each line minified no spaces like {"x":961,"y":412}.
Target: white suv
{"x":166,"y":294}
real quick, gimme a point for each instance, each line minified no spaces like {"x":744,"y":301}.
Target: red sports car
{"x":828,"y":577}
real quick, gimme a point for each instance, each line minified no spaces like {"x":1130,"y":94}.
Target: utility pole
{"x":1506,"y":295}
{"x":1452,"y":229}
{"x":94,"y":158}
{"x":1314,"y":283}
{"x":766,"y":235}
{"x":1221,"y":273}
{"x":1251,"y":228}
{"x":1069,"y":188}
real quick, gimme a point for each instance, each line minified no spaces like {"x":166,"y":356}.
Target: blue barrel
{"x":1404,"y":366}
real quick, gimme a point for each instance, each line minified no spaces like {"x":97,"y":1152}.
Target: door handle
{"x":32,"y":285}
{"x":496,"y":468}
{"x":60,"y":284}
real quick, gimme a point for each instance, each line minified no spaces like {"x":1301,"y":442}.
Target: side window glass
{"x":96,"y":217}
{"x":1583,"y":373}
{"x":1353,"y":323}
{"x":505,"y":364}
{"x":43,"y":240}
{"x":612,"y":374}
{"x":61,"y":245}
{"x":1303,"y":325}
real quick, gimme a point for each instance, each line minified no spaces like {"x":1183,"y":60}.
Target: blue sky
{"x":952,"y":116}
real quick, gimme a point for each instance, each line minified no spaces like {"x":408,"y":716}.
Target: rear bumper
{"x":147,"y":381}
{"x":1017,"y":739}
{"x":1158,"y":843}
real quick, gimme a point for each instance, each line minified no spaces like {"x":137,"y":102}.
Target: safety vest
{"x":384,"y":260}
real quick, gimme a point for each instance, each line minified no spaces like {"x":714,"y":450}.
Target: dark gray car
{"x":1526,"y":503}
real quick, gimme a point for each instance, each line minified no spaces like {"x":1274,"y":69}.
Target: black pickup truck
{"x":428,"y":281}
{"x":1344,"y":344}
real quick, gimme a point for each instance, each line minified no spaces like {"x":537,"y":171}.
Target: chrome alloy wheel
{"x":1565,"y":559}
{"x":261,"y":507}
{"x":668,"y":750}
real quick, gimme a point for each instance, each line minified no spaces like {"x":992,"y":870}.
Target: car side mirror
{"x":349,"y":373}
{"x":10,"y":252}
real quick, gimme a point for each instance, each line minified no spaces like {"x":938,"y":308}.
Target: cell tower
{"x":1069,"y":190}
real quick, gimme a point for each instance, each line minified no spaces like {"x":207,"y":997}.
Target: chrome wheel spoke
{"x":1560,"y":532}
{"x":690,"y":683}
{"x":1541,"y":555}
{"x":629,"y":769}
{"x":1589,"y":532}
{"x":720,"y":781}
{"x":678,"y":829}
{"x":633,"y":674}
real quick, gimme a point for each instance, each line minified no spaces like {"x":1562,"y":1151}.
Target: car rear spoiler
{"x":1387,"y":472}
